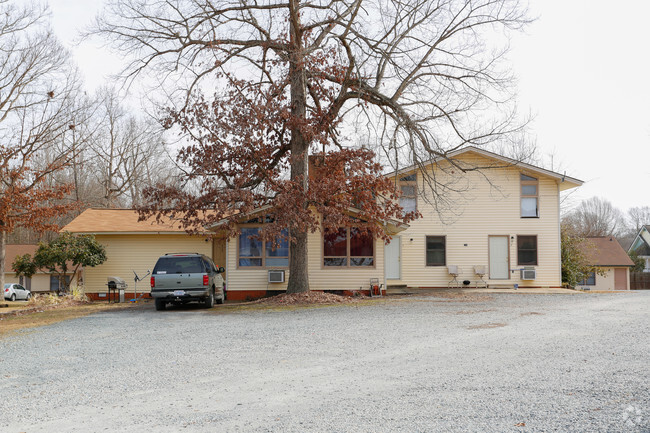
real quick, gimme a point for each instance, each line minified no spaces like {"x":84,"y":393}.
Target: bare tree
{"x":418,"y":76}
{"x":127,"y":154}
{"x":38,"y":88}
{"x":116,"y":155}
{"x":594,"y":217}
{"x":638,"y":217}
{"x":635,"y":218}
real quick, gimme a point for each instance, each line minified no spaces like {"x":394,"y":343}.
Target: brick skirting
{"x":127,"y":296}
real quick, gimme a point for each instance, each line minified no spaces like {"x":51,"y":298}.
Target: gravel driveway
{"x":414,"y":364}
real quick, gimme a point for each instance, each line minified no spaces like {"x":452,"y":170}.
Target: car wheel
{"x":13,"y":297}
{"x":161,"y":304}
{"x":209,"y":301}
{"x":29,"y":296}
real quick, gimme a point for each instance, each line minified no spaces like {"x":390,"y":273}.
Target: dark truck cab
{"x":186,"y":277}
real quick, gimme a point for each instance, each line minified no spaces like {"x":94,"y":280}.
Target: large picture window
{"x":529,"y":197}
{"x":436,"y":248}
{"x":256,"y":253}
{"x":348,"y":247}
{"x":527,"y":250}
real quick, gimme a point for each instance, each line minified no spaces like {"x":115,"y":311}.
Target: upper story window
{"x":529,"y":197}
{"x":253,"y":252}
{"x":409,"y":198}
{"x":348,"y":247}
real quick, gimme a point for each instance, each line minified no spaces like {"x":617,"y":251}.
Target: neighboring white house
{"x":641,"y":246}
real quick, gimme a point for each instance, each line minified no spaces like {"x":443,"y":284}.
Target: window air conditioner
{"x":276,"y":276}
{"x":528,"y":274}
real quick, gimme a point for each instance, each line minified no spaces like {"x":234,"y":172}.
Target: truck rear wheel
{"x":160,"y":304}
{"x":209,"y":301}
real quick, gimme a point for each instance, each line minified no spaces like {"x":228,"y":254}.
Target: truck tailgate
{"x":178,"y":281}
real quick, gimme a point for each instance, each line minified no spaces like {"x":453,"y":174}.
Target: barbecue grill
{"x":116,"y":285}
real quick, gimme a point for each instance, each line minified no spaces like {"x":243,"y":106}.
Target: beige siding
{"x":128,"y":253}
{"x":606,"y":282}
{"x":320,"y":278}
{"x":484,"y":204}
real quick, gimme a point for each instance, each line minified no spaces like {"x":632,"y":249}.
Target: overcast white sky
{"x":583,"y":71}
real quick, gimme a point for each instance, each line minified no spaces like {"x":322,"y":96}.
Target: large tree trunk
{"x":298,"y":262}
{"x":3,"y":250}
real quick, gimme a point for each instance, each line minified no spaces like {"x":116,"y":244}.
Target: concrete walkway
{"x":430,"y":291}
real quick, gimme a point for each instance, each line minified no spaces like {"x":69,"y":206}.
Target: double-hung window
{"x":435,"y":252}
{"x":527,"y":250}
{"x":348,"y":247}
{"x":409,"y":199}
{"x":253,"y":252}
{"x":529,"y":196}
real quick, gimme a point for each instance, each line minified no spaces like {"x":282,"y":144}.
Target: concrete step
{"x":398,"y":290}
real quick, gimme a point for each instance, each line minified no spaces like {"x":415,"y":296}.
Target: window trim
{"x":526,"y":182}
{"x":536,"y":250}
{"x":263,"y":256}
{"x":347,"y":257}
{"x":426,"y":264}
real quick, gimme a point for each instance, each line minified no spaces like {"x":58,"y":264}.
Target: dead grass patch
{"x":13,"y":306}
{"x":531,"y":313}
{"x":488,"y":326}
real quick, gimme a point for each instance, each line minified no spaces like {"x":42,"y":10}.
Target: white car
{"x":17,"y":292}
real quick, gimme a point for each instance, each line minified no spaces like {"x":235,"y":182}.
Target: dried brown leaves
{"x":308,"y":298}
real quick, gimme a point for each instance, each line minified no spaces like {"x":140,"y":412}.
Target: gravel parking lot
{"x":497,"y":363}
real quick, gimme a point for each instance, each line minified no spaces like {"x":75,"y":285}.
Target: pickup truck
{"x":186,"y":277}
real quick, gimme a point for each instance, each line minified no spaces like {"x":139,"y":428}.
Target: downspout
{"x":227,"y":262}
{"x":559,"y":231}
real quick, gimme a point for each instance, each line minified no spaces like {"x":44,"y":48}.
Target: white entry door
{"x":499,"y":258}
{"x":392,"y":259}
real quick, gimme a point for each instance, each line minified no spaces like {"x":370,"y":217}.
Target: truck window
{"x":179,"y":265}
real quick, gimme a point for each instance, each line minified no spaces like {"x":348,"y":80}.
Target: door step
{"x":399,"y":289}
